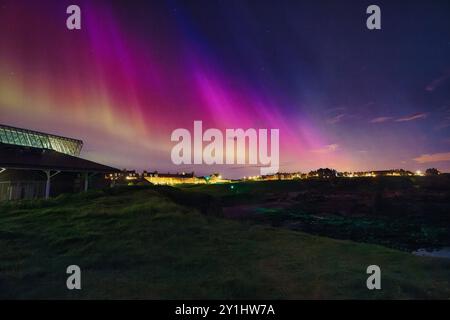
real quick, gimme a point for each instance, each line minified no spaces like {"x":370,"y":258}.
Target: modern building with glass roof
{"x":39,"y":165}
{"x":29,"y":138}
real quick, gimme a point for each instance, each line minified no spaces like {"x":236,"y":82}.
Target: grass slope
{"x":142,"y":243}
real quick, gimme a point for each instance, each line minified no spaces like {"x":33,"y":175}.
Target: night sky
{"x":341,"y":95}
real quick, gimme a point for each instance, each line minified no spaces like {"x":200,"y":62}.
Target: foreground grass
{"x":405,"y":213}
{"x":142,"y":243}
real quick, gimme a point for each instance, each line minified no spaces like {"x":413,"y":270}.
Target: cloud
{"x":380,"y":119}
{"x":336,"y":119}
{"x":445,"y":123}
{"x":336,"y":109}
{"x":327,"y":149}
{"x":437,"y":82}
{"x":444,"y":118}
{"x":412,"y":117}
{"x":435,"y":157}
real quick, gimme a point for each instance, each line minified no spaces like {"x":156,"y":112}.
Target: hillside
{"x":166,"y":243}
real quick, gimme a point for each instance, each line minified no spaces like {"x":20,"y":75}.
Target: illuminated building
{"x":182,"y":178}
{"x":28,"y":138}
{"x":39,"y":165}
{"x":173,"y":178}
{"x":125,"y":177}
{"x":216,"y":178}
{"x":279,"y":176}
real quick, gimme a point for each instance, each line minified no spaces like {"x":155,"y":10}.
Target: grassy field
{"x":164,"y":243}
{"x":406,"y":213}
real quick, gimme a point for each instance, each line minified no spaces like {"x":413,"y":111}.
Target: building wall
{"x":10,"y":190}
{"x":30,"y":184}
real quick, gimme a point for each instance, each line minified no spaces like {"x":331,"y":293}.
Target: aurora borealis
{"x":342,"y":96}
